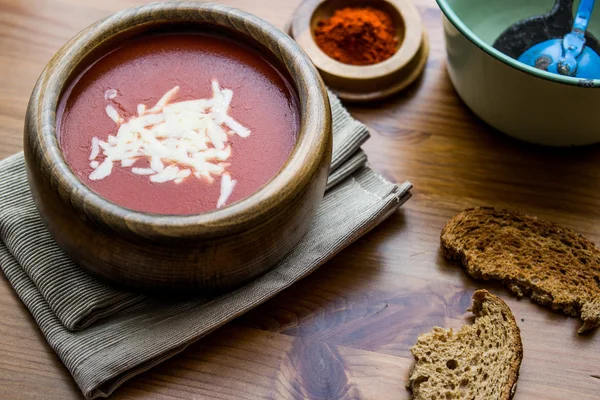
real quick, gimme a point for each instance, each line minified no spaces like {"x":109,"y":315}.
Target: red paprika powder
{"x":357,"y":36}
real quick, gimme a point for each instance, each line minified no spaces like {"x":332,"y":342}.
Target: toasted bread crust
{"x":555,"y":266}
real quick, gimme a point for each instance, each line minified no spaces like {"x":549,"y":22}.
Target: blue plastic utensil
{"x":568,"y":56}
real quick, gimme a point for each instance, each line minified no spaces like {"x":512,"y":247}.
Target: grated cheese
{"x":110,"y":94}
{"x":178,"y":139}
{"x":95,"y":148}
{"x":227,"y":185}
{"x":113,"y":114}
{"x":143,"y":171}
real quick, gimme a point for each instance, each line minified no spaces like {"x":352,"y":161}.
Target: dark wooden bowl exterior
{"x":216,"y":250}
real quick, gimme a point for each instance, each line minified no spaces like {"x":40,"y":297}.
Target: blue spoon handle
{"x":574,"y":41}
{"x":584,"y":12}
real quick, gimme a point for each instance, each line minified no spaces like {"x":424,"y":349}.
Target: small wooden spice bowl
{"x":369,"y":82}
{"x":215,"y":250}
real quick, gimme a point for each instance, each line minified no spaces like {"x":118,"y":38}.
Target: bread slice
{"x":481,"y":361}
{"x":555,"y":266}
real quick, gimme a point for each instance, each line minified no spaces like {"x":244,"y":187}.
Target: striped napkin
{"x":105,"y":335}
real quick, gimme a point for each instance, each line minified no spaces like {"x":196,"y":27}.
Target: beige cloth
{"x":106,"y":335}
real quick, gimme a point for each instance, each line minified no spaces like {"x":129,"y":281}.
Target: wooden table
{"x":344,"y":332}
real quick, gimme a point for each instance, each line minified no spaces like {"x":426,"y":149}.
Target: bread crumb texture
{"x":555,"y":266}
{"x":481,"y":361}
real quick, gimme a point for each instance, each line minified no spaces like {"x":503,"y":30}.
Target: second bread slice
{"x":481,"y":361}
{"x":557,"y":267}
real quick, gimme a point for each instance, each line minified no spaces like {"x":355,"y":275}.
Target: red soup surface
{"x":178,"y":124}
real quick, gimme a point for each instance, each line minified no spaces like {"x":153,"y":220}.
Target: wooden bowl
{"x":366,"y":82}
{"x":215,"y":250}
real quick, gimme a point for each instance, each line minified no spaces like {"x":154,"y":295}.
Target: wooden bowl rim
{"x":404,"y":80}
{"x":312,"y":145}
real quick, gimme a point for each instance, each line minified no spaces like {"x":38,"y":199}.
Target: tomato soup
{"x":178,"y":123}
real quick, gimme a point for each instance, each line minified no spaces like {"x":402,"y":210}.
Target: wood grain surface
{"x":345,"y":331}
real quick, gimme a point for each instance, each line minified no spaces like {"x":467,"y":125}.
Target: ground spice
{"x":357,"y":36}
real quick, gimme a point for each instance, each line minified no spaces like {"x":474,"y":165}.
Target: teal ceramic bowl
{"x":519,"y":100}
